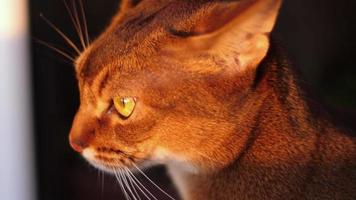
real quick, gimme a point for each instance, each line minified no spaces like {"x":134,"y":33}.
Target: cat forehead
{"x":129,"y":43}
{"x":122,"y":46}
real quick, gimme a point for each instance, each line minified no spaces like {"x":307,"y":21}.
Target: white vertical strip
{"x":16,"y":151}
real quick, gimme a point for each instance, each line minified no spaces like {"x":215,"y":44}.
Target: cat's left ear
{"x":236,"y":31}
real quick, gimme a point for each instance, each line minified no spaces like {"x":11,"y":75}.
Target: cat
{"x":200,"y":87}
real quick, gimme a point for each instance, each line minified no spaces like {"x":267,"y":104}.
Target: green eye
{"x":125,"y":106}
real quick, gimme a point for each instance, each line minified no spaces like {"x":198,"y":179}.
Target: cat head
{"x":164,"y":81}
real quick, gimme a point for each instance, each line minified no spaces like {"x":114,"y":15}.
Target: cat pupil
{"x":124,"y":101}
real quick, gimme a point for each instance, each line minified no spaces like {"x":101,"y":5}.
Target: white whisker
{"x":134,"y":182}
{"x":139,"y":170}
{"x":123,"y":178}
{"x":120,"y":184}
{"x":102,"y":182}
{"x":143,"y":187}
{"x":131,"y":183}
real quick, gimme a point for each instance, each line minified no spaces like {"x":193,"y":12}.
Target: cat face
{"x":165,"y":81}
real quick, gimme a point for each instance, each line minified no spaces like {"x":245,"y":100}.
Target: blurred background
{"x":39,"y":95}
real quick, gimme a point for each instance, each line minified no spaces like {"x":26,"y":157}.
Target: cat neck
{"x":277,"y":147}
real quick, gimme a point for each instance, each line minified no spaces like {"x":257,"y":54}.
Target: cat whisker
{"x":139,"y":170}
{"x":141,"y":185}
{"x":123,"y":177}
{"x":131,"y":183}
{"x":118,"y":178}
{"x":76,"y":24}
{"x":102,"y":182}
{"x":84,"y":22}
{"x":77,"y":19}
{"x":61,"y":52}
{"x":98,"y":178}
{"x":64,"y":36}
{"x":130,"y":175}
{"x":99,"y":175}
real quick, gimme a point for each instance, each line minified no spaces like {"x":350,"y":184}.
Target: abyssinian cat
{"x":199,"y":86}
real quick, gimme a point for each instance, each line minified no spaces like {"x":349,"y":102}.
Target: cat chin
{"x":90,"y":154}
{"x":159,"y":157}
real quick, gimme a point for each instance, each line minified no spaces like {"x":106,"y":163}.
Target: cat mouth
{"x":108,"y":160}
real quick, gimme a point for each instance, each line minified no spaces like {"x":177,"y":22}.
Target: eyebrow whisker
{"x":61,"y":52}
{"x":84,"y":22}
{"x":64,"y":36}
{"x":75,"y":23}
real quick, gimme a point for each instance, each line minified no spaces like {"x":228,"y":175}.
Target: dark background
{"x":318,"y":35}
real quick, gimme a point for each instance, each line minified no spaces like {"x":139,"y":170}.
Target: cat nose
{"x":81,"y":141}
{"x":82,"y":132}
{"x":80,"y":138}
{"x":78,"y":145}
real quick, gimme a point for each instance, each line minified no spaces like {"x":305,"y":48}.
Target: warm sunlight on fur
{"x":199,"y":87}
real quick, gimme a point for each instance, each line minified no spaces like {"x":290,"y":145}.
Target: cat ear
{"x":236,"y":31}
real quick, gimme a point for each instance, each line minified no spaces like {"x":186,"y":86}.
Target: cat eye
{"x":125,"y":106}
